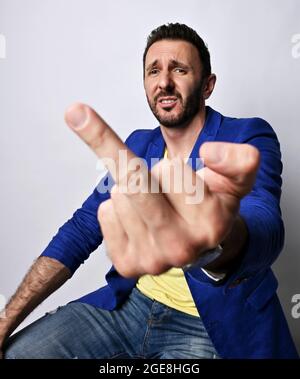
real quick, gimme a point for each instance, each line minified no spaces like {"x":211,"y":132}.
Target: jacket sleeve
{"x":79,"y":236}
{"x":261,"y":207}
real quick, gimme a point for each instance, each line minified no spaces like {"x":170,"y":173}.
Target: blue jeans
{"x":140,"y":328}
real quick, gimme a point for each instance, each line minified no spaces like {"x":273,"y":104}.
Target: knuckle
{"x":114,"y":192}
{"x":181,"y":255}
{"x":123,"y":271}
{"x":124,"y":268}
{"x":182,"y":259}
{"x":152,"y":264}
{"x":151,"y":261}
{"x":104,"y":208}
{"x":152,"y":268}
{"x":213,"y":235}
{"x":252,"y":158}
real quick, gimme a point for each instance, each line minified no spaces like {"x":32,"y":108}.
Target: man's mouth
{"x":167,"y":102}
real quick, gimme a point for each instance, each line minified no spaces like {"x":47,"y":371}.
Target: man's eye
{"x":153,"y":71}
{"x":180,"y":70}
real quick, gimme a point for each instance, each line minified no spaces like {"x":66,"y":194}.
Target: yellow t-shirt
{"x":169,"y":288}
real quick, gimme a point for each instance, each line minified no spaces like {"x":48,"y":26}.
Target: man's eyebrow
{"x":173,"y":63}
{"x":151,"y":64}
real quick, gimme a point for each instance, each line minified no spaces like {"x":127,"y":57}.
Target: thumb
{"x":236,"y":162}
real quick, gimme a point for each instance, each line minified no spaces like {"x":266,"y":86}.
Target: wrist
{"x":233,"y":248}
{"x":206,"y":258}
{"x":3,"y":335}
{"x":6,"y":327}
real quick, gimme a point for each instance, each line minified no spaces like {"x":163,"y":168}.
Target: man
{"x":189,"y":280}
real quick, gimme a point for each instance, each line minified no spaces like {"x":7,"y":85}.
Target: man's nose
{"x":166,"y":81}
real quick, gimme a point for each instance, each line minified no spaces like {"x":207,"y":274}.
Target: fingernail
{"x":76,"y":116}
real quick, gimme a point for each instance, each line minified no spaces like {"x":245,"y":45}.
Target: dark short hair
{"x":180,"y":32}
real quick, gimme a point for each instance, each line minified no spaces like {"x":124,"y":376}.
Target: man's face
{"x":173,"y":82}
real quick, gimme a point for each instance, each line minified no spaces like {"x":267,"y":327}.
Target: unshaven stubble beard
{"x":190,"y":107}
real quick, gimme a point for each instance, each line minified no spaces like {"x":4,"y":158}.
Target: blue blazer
{"x":241,"y":313}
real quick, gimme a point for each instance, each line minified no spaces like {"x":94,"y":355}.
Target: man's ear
{"x":209,"y":86}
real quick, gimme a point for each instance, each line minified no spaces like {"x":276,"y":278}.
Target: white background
{"x":59,"y":52}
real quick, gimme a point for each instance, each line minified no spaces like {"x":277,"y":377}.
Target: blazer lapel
{"x":208,"y":133}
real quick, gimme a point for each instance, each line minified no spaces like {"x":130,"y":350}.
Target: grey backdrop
{"x":58,"y":52}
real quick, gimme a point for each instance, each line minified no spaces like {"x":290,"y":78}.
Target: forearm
{"x":44,"y":277}
{"x":232,"y":249}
